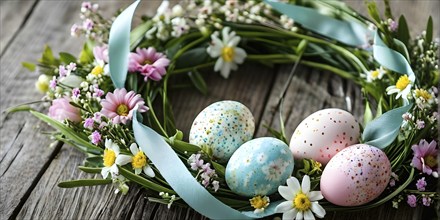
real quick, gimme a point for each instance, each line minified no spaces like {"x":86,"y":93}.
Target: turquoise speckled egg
{"x":259,"y":166}
{"x":223,"y":127}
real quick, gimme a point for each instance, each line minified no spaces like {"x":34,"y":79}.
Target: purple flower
{"x":75,"y":30}
{"x":71,"y":67}
{"x":207,"y":169}
{"x":120,"y":104}
{"x":61,"y":109}
{"x":98,"y":92}
{"x":76,"y":92}
{"x":420,"y":124}
{"x":392,"y":182}
{"x":412,"y":200}
{"x":62,"y":71}
{"x":88,"y":123}
{"x":421,"y":184}
{"x":426,"y":201}
{"x":392,"y":25}
{"x":97,"y":116}
{"x":101,"y":53}
{"x":96,"y":137}
{"x":149,"y":63}
{"x":425,"y":157}
{"x":195,"y":161}
{"x":53,"y":83}
{"x":88,"y":24}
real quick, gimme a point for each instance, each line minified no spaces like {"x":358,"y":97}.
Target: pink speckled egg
{"x":323,"y":134}
{"x":356,"y":175}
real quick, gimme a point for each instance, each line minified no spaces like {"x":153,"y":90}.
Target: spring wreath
{"x":111,"y":102}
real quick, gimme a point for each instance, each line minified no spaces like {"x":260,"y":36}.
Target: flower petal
{"x":290,"y":214}
{"x":123,"y":159}
{"x":299,"y":215}
{"x":315,"y":195}
{"x":305,"y":185}
{"x":284,"y":207}
{"x":318,"y":210}
{"x":149,"y":171}
{"x":218,"y":64}
{"x":308,"y":215}
{"x":104,"y":172}
{"x":293,"y":184}
{"x":286,"y":192}
{"x":134,"y":148}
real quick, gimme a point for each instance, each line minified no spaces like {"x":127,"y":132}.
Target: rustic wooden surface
{"x":30,"y":169}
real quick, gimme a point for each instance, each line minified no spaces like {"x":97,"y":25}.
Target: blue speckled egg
{"x":223,"y":127}
{"x":259,"y":166}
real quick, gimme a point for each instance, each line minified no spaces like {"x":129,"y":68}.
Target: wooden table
{"x":31,"y":166}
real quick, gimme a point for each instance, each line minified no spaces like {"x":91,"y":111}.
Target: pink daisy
{"x":425,"y":157}
{"x":119,"y":105}
{"x":149,"y":63}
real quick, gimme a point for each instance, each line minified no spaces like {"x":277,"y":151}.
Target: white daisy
{"x":112,"y":158}
{"x":139,"y":161}
{"x":229,"y":55}
{"x":402,"y":87}
{"x":300,"y":201}
{"x":375,"y":74}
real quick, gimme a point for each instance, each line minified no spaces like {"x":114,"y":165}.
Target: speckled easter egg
{"x":355,"y":176}
{"x":323,"y":134}
{"x":222,"y":126}
{"x":259,"y":166}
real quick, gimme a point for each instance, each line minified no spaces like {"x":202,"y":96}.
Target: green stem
{"x":188,"y":69}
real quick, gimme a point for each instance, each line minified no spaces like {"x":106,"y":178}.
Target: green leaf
{"x":403,"y":31}
{"x":382,"y":131}
{"x":93,"y":161}
{"x":192,"y":57}
{"x":90,"y":169}
{"x":30,"y":66}
{"x":68,"y":132}
{"x":138,"y":34}
{"x":84,"y":182}
{"x":368,"y":115}
{"x":67,"y":58}
{"x":144,"y":182}
{"x":379,"y":108}
{"x":47,"y":57}
{"x":183,"y":146}
{"x":429,"y":30}
{"x":86,"y":55}
{"x":20,"y":108}
{"x":373,"y":12}
{"x":219,"y":169}
{"x":198,"y":81}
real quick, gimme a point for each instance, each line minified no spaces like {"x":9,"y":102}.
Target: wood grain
{"x":13,"y":15}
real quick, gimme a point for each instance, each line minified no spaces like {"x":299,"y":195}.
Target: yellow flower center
{"x":423,"y":93}
{"x":139,"y":160}
{"x":430,"y":161}
{"x":98,"y":70}
{"x":122,"y":110}
{"x":375,"y":74}
{"x":109,"y":157}
{"x":147,"y":62}
{"x":301,"y":202}
{"x":316,"y":165}
{"x":403,"y":82}
{"x":228,"y":54}
{"x":259,"y":202}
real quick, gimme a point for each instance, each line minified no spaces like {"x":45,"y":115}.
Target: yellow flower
{"x":139,"y":161}
{"x":43,"y":83}
{"x":259,"y":203}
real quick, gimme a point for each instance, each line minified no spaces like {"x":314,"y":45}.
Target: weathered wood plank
{"x":415,"y":12}
{"x":13,"y":14}
{"x":24,"y":151}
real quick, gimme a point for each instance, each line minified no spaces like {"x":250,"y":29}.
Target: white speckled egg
{"x":259,"y":166}
{"x":222,"y":126}
{"x":356,"y":175}
{"x":323,"y":134}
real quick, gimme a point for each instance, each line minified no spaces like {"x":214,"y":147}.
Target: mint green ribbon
{"x":350,"y":33}
{"x":119,"y":45}
{"x":181,"y":180}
